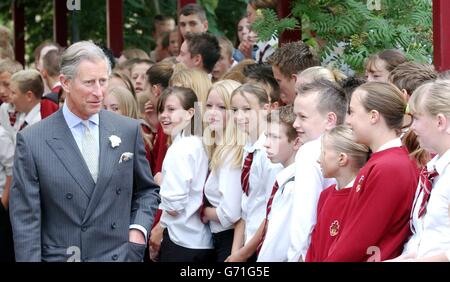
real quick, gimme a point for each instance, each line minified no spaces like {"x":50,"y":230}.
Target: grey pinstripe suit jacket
{"x":57,"y":211}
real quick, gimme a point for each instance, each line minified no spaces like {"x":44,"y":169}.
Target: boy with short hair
{"x":287,"y":62}
{"x":410,"y":75}
{"x":192,"y":19}
{"x":319,"y":107}
{"x":10,"y":119}
{"x":200,"y":50}
{"x":27,"y":88}
{"x":271,"y":240}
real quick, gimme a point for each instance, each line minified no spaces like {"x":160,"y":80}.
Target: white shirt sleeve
{"x":6,"y":152}
{"x":229,"y":209}
{"x":177,"y":178}
{"x":308,"y":186}
{"x":140,"y":228}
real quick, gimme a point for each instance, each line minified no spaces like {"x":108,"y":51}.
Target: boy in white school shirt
{"x":318,"y":107}
{"x":282,"y":144}
{"x":271,"y":240}
{"x":27,"y":88}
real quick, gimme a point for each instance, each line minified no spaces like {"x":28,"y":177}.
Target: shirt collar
{"x":350,"y":184}
{"x":73,"y":120}
{"x":33,"y":113}
{"x":258,"y":145}
{"x":397,"y":142}
{"x":439,"y":162}
{"x":285,"y":174}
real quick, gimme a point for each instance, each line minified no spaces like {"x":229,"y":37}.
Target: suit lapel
{"x":108,"y":159}
{"x":66,"y":148}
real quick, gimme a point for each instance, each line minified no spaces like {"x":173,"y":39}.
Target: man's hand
{"x":136,"y":236}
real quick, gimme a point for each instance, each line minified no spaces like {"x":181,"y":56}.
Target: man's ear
{"x":205,"y":25}
{"x":64,"y":83}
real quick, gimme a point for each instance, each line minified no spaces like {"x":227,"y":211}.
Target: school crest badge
{"x":360,"y":181}
{"x":334,"y":228}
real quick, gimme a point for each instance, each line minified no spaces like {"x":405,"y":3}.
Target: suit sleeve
{"x":146,"y":198}
{"x":25,"y":205}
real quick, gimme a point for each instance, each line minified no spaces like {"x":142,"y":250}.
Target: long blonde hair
{"x":432,"y":98}
{"x":228,"y":145}
{"x":127,"y":103}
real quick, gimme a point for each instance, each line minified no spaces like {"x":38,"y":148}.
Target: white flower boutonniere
{"x":115,"y":141}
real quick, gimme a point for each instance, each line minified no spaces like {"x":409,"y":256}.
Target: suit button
{"x":113,"y":225}
{"x":83,"y":228}
{"x":69,"y":196}
{"x":115,"y":257}
{"x":118,"y":191}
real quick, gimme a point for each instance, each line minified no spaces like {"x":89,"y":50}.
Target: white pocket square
{"x":125,"y":157}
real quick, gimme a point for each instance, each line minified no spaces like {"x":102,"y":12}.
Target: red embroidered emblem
{"x":334,"y":228}
{"x":358,"y":187}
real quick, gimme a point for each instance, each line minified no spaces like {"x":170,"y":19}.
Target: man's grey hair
{"x":78,"y":52}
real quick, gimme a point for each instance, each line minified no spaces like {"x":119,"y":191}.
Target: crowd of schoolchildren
{"x":262,"y":154}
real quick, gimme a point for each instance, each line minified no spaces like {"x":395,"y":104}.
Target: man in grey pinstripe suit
{"x":82,"y":188}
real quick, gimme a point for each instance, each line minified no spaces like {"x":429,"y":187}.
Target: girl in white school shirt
{"x":186,"y":238}
{"x":250,"y":104}
{"x":223,"y":185}
{"x":430,"y":107}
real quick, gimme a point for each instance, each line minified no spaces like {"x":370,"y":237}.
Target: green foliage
{"x":90,"y":21}
{"x":268,"y":24}
{"x":224,"y":15}
{"x":346,"y":32}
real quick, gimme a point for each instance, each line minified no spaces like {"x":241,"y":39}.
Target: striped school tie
{"x":246,"y":173}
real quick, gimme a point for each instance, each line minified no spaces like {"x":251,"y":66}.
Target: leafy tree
{"x":90,"y":21}
{"x":346,"y":32}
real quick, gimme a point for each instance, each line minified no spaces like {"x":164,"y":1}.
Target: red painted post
{"x":19,"y":31}
{"x":60,"y":22}
{"x":114,"y":26}
{"x":441,"y":34}
{"x":182,"y":3}
{"x":284,"y":10}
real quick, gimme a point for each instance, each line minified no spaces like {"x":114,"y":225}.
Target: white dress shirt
{"x":261,"y":180}
{"x":432,"y":231}
{"x":223,"y":190}
{"x":5,"y":109}
{"x":309,"y":183}
{"x":276,"y":242}
{"x":184,"y":173}
{"x":6,"y":157}
{"x":77,"y":128}
{"x":33,"y":116}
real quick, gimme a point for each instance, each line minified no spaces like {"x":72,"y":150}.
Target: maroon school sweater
{"x":376,"y":217}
